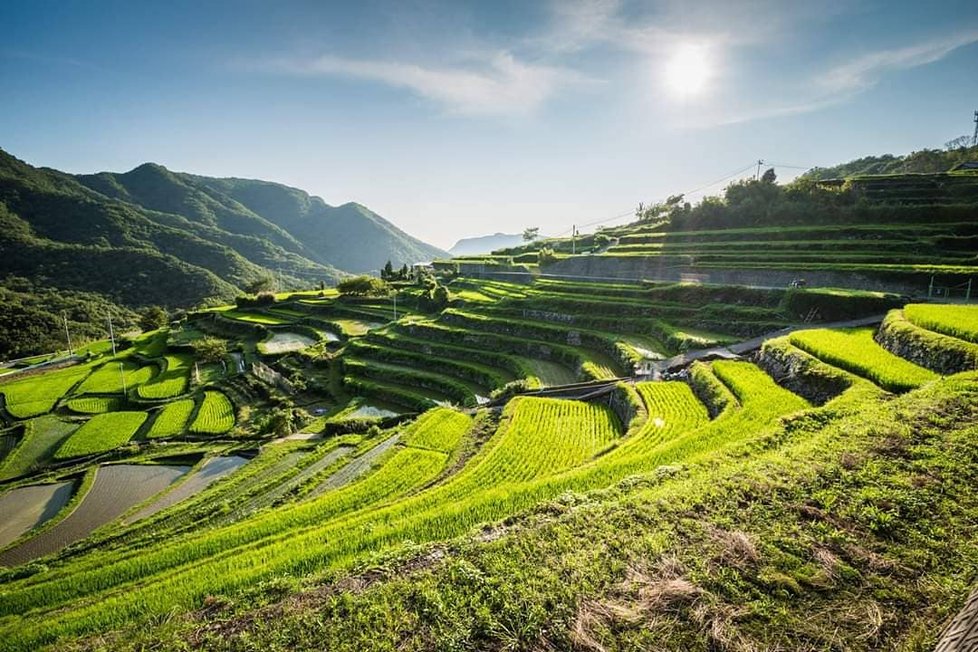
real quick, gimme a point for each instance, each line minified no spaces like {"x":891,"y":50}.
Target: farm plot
{"x":41,"y":439}
{"x":101,"y":433}
{"x":113,"y":375}
{"x":485,"y":491}
{"x":255,"y":318}
{"x":29,"y":397}
{"x":172,"y":419}
{"x":551,"y":373}
{"x":94,"y":404}
{"x":116,"y":489}
{"x":25,"y":508}
{"x":216,"y":415}
{"x":356,"y":327}
{"x":285,"y":342}
{"x":213,"y":470}
{"x":956,"y":321}
{"x":855,"y":350}
{"x":171,"y":382}
{"x":440,"y":429}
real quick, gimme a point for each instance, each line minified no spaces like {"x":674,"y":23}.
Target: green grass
{"x":101,"y":433}
{"x":109,"y":378}
{"x":956,"y":321}
{"x":169,"y":383}
{"x":255,"y":318}
{"x":216,"y":415}
{"x":34,"y":395}
{"x":41,"y":439}
{"x":440,"y":429}
{"x":94,"y":404}
{"x":172,"y":419}
{"x":855,"y":350}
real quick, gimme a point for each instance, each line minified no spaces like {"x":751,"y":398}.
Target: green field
{"x":215,"y":417}
{"x":111,"y":377}
{"x":172,"y":419}
{"x":101,"y":433}
{"x":856,"y":351}
{"x":28,"y":397}
{"x":956,"y":321}
{"x":171,"y":382}
{"x":94,"y":404}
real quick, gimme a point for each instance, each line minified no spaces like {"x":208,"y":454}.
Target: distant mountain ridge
{"x":485,"y":244}
{"x":153,"y":236}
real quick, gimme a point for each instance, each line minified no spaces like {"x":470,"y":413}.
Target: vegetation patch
{"x":171,"y":382}
{"x":855,"y":350}
{"x":101,"y":433}
{"x":171,"y":421}
{"x":216,"y":415}
{"x":956,"y":321}
{"x":95,"y":404}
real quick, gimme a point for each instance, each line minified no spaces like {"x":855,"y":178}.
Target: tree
{"x":152,"y":318}
{"x":403,"y":274}
{"x":530,"y":234}
{"x":364,"y":286}
{"x":769,"y":176}
{"x":388,"y":272}
{"x":210,"y":349}
{"x":263,"y":284}
{"x":961,"y":142}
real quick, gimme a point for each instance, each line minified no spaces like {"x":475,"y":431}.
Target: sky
{"x":457,"y":119}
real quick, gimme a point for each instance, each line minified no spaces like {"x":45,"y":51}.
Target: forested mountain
{"x":151,"y":236}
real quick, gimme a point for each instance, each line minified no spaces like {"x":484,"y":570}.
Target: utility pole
{"x":967,"y":294}
{"x":930,"y":290}
{"x":395,"y":305}
{"x":111,"y":335}
{"x":64,"y":315}
{"x":757,"y":175}
{"x":574,"y":240}
{"x":974,"y":139}
{"x":122,"y":373}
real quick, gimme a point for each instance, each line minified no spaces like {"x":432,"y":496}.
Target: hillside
{"x":925,"y":161}
{"x":154,"y":237}
{"x":485,"y":244}
{"x":809,"y":493}
{"x":913,"y":234}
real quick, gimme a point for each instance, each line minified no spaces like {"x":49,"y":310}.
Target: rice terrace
{"x":740,"y":417}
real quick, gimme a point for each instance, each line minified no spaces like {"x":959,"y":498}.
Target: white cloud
{"x":864,"y":71}
{"x":498,"y":84}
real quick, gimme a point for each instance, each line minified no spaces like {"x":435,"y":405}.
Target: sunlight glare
{"x":688,"y":70}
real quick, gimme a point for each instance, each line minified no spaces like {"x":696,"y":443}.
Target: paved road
{"x":733,"y":351}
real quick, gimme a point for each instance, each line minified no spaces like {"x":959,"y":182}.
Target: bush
{"x":363,"y":286}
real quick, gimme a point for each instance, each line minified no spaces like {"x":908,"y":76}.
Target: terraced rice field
{"x":216,"y":415}
{"x":213,"y":470}
{"x":42,"y":438}
{"x":116,"y":489}
{"x":34,"y":395}
{"x":856,"y":351}
{"x":25,"y":508}
{"x":101,"y":433}
{"x":956,"y":321}
{"x":356,"y":327}
{"x":111,"y":377}
{"x":255,"y":318}
{"x":172,"y":419}
{"x":94,"y":404}
{"x":171,"y":382}
{"x":551,"y":373}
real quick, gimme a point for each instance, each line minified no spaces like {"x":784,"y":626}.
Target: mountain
{"x":350,"y":237}
{"x":485,"y":244}
{"x":151,"y":236}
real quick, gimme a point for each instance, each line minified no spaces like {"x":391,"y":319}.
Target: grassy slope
{"x":859,"y":535}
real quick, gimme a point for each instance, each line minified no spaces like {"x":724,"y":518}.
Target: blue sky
{"x":457,"y":119}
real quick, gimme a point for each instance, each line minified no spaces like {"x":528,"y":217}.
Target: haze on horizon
{"x":464,"y":119}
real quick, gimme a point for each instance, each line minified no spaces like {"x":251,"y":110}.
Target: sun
{"x":688,"y":70}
